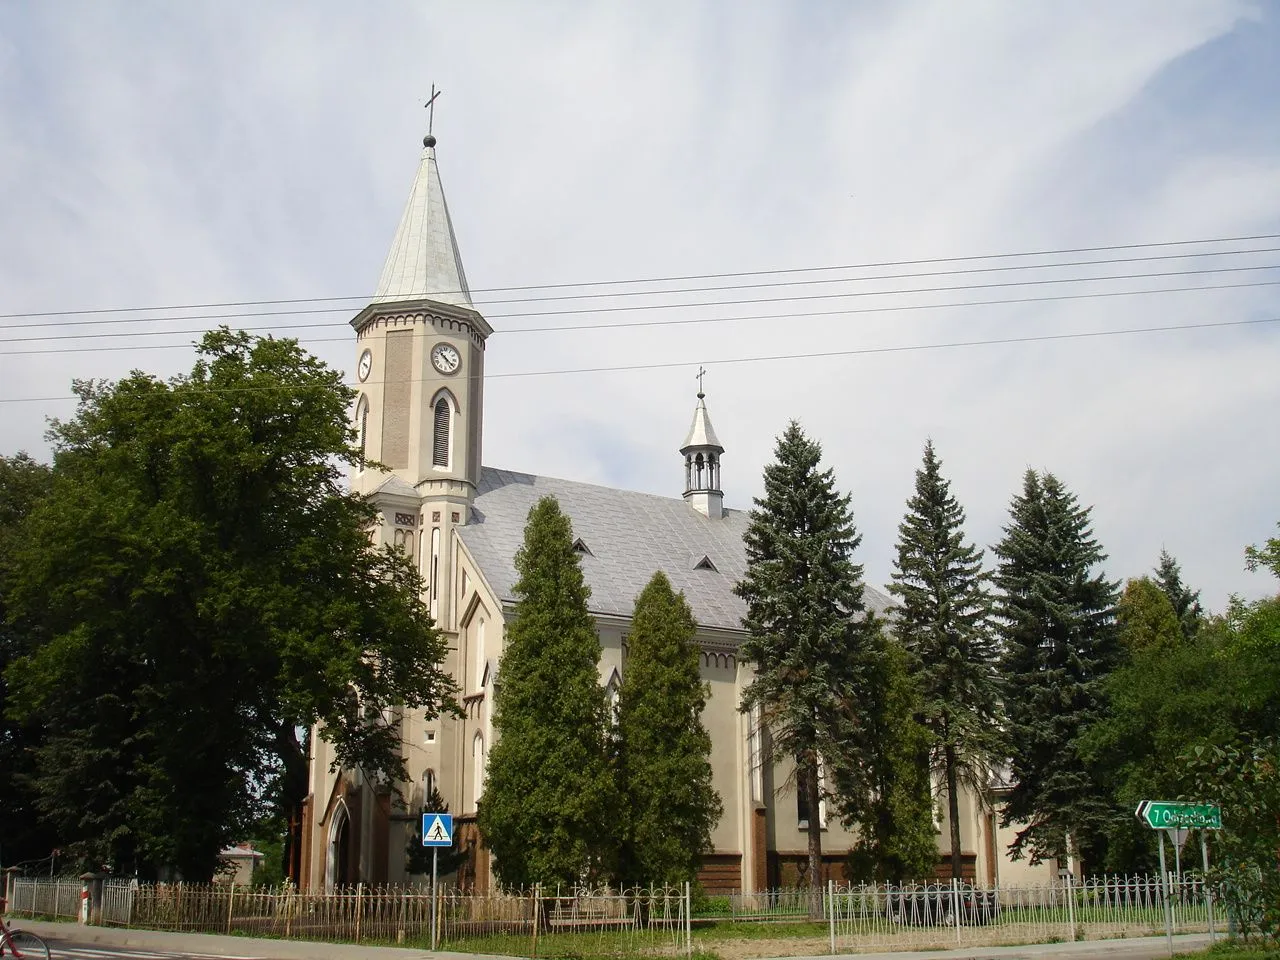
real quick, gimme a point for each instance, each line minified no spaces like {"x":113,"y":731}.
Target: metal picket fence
{"x":46,"y":897}
{"x":935,"y":916}
{"x":610,"y":921}
{"x":659,"y":921}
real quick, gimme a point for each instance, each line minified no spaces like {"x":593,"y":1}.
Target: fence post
{"x":537,"y":911}
{"x":955,"y":906}
{"x":1208,"y":888}
{"x":831,"y":913}
{"x":91,"y":897}
{"x":11,"y":886}
{"x":359,"y":897}
{"x":1071,"y":907}
{"x":688,"y":919}
{"x":1164,"y":891}
{"x":231,"y":899}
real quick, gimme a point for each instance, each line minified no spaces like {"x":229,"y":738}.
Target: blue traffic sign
{"x":437,"y":829}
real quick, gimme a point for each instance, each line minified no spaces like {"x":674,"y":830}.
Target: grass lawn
{"x":1235,"y":951}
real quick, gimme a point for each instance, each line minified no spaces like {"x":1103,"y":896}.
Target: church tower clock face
{"x":365,"y":365}
{"x":445,"y":358}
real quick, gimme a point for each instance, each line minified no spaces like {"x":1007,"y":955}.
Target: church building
{"x":419,"y":359}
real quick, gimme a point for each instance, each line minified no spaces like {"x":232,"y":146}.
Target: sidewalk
{"x":1131,"y":948}
{"x":223,"y":946}
{"x":1135,"y":948}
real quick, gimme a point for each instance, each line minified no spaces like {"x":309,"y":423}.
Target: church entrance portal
{"x":338,"y":860}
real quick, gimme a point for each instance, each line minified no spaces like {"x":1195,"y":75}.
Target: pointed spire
{"x":424,"y":262}
{"x":701,"y":433}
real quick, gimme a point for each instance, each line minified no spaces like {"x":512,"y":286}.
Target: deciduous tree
{"x":205,"y":588}
{"x":1145,"y":618}
{"x":23,"y":482}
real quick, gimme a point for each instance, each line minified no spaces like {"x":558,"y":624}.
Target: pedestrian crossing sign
{"x":437,"y":829}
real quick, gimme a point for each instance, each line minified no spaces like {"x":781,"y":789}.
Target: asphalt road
{"x":69,"y":950}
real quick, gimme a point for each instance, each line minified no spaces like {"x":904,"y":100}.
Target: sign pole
{"x":1164,"y":885}
{"x":1208,"y":888}
{"x":437,"y":832}
{"x":435,"y":857}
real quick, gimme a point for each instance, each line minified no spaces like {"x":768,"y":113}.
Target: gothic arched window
{"x":362,"y":427}
{"x":440,"y":439}
{"x":478,"y":765}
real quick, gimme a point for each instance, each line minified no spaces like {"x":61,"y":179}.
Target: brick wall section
{"x":397,"y":391}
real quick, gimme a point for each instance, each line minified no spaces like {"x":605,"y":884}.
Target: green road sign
{"x":1164,"y":814}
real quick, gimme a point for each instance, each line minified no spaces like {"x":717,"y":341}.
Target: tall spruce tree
{"x":1057,"y":621}
{"x":810,"y":637}
{"x":942,"y":619}
{"x":1186,"y":602}
{"x":664,"y":749}
{"x":550,"y":805}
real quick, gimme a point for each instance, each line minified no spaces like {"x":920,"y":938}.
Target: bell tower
{"x":702,"y":451}
{"x":419,"y":363}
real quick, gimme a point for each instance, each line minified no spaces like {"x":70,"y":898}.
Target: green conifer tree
{"x":1186,"y":602}
{"x":664,"y":750}
{"x":550,"y":803}
{"x":897,"y":833}
{"x":942,"y":619}
{"x":419,"y":859}
{"x":1057,"y":621}
{"x":810,"y":636}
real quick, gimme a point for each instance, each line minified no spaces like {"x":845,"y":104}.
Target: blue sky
{"x":157,"y":153}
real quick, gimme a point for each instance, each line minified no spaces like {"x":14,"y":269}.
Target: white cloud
{"x":161,"y":154}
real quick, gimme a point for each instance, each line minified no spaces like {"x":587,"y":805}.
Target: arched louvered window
{"x":440,"y":441}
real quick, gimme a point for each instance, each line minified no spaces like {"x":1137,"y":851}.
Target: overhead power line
{"x":666,"y":292}
{"x":134,"y":334}
{"x":817,"y":355}
{"x":683,"y":321}
{"x":688,"y":278}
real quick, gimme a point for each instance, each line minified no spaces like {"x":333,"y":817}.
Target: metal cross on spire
{"x":431,"y":108}
{"x":700,"y":374}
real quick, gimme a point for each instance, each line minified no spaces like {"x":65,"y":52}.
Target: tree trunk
{"x":953,"y":810}
{"x":815,"y":839}
{"x":293,"y":792}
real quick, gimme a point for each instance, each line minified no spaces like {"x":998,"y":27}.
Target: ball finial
{"x":428,"y":141}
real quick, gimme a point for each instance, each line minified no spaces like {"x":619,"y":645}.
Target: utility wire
{"x":668,"y":292}
{"x":1062,"y":251}
{"x":720,"y":303}
{"x":825,"y":354}
{"x":630,"y":324}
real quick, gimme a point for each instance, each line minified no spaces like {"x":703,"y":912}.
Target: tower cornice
{"x":404,"y":312}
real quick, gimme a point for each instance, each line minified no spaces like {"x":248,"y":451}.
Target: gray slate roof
{"x":630,"y":535}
